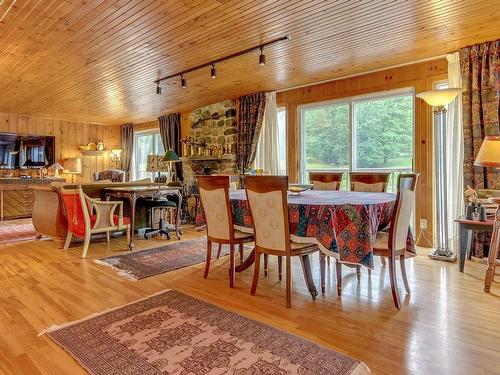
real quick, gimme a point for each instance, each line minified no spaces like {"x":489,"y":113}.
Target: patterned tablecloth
{"x":343,"y":223}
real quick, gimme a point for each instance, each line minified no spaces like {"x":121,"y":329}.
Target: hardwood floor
{"x":447,"y":326}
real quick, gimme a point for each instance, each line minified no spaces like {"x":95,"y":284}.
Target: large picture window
{"x":368,"y":133}
{"x":145,"y":143}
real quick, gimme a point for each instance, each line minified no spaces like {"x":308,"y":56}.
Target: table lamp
{"x":72,"y":166}
{"x":438,"y":99}
{"x":155,"y":164}
{"x":56,"y":167}
{"x":489,"y":157}
{"x":170,"y":157}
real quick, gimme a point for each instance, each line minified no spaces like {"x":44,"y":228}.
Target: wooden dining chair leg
{"x":280,"y":267}
{"x":394,"y":282}
{"x":219,"y":251}
{"x":358,"y":272}
{"x":266,"y":263}
{"x":256,"y":270}
{"x":288,"y":278}
{"x":382,"y":260}
{"x":338,"y":267}
{"x":240,"y":249}
{"x":322,"y":270}
{"x":209,"y":258}
{"x":403,"y":273}
{"x":231,"y":266}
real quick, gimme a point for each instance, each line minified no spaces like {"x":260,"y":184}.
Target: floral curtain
{"x":170,"y":132}
{"x":251,"y":114}
{"x":480,"y":68}
{"x":127,"y":146}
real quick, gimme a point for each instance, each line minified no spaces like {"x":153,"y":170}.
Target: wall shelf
{"x":93,"y":152}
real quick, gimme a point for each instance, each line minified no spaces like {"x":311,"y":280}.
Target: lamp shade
{"x":170,"y":155}
{"x":439,"y":98}
{"x":73,"y":165}
{"x":56,"y":167}
{"x":489,"y":153}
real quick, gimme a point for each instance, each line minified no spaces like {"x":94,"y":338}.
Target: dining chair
{"x":267,"y":200}
{"x":325,"y":180}
{"x":214,"y":195}
{"x":392,"y":244}
{"x":374,"y":182}
{"x":87,"y":216}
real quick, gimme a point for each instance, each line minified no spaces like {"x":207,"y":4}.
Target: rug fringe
{"x":125,"y":274}
{"x":56,"y":327}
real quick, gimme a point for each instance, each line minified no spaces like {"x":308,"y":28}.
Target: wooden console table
{"x":465,"y":228}
{"x":132,"y":193}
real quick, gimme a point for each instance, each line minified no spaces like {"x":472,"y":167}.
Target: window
{"x":145,"y":143}
{"x":369,"y":133}
{"x":282,"y":139}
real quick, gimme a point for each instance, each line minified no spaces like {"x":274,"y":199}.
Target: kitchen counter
{"x":16,"y":195}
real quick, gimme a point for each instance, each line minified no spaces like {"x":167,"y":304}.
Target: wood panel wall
{"x":68,"y":136}
{"x":420,"y":76}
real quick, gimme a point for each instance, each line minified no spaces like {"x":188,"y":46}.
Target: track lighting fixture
{"x":213,"y":70}
{"x":262,"y":57}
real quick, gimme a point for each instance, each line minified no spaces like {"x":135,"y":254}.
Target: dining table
{"x":344,"y":224}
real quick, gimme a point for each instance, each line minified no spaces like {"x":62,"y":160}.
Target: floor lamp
{"x":438,"y":99}
{"x":489,"y":157}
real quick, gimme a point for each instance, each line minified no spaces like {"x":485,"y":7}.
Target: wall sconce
{"x":116,"y":154}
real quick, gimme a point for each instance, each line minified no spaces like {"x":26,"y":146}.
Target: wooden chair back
{"x":405,"y":202}
{"x":77,"y":211}
{"x":325,"y":180}
{"x":375,"y":182}
{"x":267,"y":199}
{"x":214,"y":196}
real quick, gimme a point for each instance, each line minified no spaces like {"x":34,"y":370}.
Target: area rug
{"x":171,"y":333}
{"x":16,"y":231}
{"x":145,"y":263}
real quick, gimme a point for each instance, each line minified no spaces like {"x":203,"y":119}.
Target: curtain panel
{"x":127,"y":146}
{"x":480,"y":66}
{"x":267,"y":154}
{"x":170,"y":132}
{"x":251,"y":114}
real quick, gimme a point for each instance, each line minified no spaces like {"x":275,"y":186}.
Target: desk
{"x":465,"y":228}
{"x":132,"y":193}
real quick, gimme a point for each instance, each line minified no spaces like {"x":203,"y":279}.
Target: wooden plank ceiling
{"x":95,"y":60}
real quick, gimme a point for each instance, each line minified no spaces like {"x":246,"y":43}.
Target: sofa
{"x":49,"y":215}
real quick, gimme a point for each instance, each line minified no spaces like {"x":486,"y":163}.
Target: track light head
{"x":262,"y":57}
{"x":183,"y":82}
{"x":158,"y":88}
{"x":213,"y":72}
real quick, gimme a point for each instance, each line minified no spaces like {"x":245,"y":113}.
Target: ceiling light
{"x":158,"y":88}
{"x":213,"y":72}
{"x":262,"y":57}
{"x":183,"y":82}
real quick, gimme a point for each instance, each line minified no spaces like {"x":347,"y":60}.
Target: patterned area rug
{"x":150,"y":262}
{"x":17,"y":230}
{"x":171,"y":333}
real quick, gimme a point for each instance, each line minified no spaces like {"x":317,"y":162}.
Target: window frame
{"x":137,"y":134}
{"x":285,"y":110}
{"x":351,"y":101}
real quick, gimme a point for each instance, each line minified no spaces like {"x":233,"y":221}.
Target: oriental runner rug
{"x":171,"y":333}
{"x":16,"y":231}
{"x":145,"y":263}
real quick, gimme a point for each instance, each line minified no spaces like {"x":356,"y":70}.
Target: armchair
{"x":87,"y":216}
